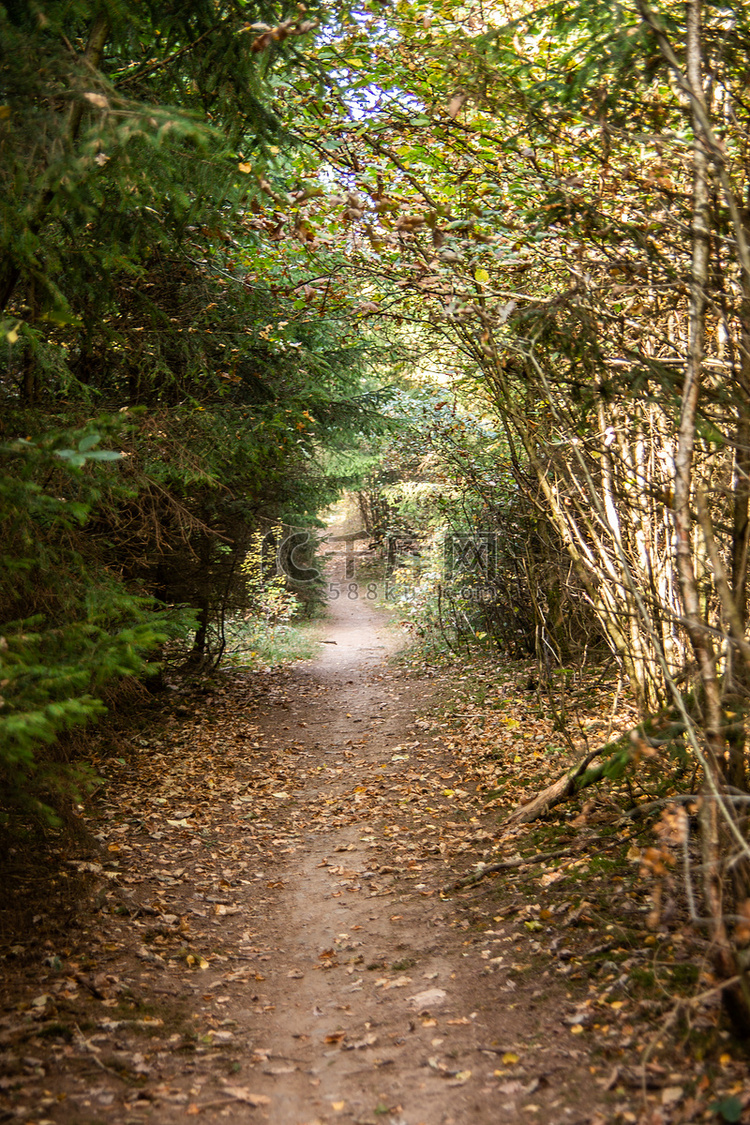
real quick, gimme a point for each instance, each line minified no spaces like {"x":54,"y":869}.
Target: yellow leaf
{"x":510,"y":1058}
{"x":338,"y":1106}
{"x":245,"y":167}
{"x":481,"y":276}
{"x":576,"y":1029}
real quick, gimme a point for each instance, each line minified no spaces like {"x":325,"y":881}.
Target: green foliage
{"x":134,"y":280}
{"x":187,"y":389}
{"x":270,"y":602}
{"x":450,"y":477}
{"x":728,"y":1109}
{"x":70,"y":627}
{"x":249,"y":644}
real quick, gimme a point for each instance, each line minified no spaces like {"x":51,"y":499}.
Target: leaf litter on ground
{"x":207,"y":800}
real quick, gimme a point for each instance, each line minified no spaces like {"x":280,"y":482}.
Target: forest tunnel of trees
{"x":487,"y":265}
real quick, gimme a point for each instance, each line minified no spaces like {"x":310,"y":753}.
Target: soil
{"x":267,"y":935}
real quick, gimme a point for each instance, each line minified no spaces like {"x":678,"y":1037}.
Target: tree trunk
{"x":713,"y":832}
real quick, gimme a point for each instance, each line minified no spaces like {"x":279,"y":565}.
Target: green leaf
{"x":79,"y":511}
{"x":71,"y":456}
{"x":61,"y":317}
{"x":104,"y":455}
{"x":729,"y":1109}
{"x":89,"y":441}
{"x":709,"y":432}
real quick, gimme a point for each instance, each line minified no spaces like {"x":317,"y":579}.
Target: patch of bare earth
{"x":268,"y":939}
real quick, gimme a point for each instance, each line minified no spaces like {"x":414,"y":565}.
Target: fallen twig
{"x":506,"y":865}
{"x":91,"y":1051}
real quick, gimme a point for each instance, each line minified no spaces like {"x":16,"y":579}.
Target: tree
{"x":563,"y":202}
{"x":147,"y":311}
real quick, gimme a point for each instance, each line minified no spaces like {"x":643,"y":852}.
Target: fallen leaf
{"x":670,"y":1095}
{"x":242,"y":1094}
{"x":368,"y":1041}
{"x":515,"y":1087}
{"x":430,"y":998}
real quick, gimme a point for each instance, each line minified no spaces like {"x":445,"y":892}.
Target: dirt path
{"x":272,"y":943}
{"x":377,"y":1022}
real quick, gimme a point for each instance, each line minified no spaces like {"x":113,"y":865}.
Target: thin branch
{"x":507,"y":865}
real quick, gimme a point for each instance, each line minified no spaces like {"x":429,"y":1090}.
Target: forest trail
{"x":272,"y":943}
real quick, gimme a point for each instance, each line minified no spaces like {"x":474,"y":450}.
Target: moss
{"x":685,"y":974}
{"x":602,"y":865}
{"x":643,"y":978}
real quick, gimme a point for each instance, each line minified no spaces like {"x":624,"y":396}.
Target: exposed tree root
{"x":571,"y":782}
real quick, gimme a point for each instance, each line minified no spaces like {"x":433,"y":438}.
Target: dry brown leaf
{"x":242,"y":1094}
